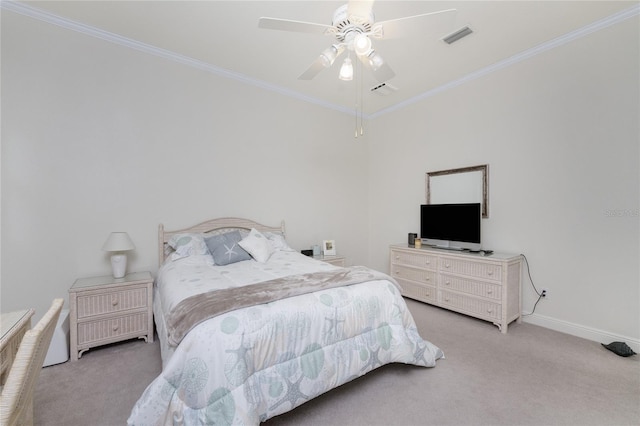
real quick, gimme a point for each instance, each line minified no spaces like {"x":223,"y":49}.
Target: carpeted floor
{"x":530,"y":376}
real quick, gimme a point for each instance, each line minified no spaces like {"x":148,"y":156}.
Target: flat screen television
{"x":451,"y":226}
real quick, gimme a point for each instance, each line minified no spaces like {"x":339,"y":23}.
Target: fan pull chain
{"x":359,"y":99}
{"x":356,"y":90}
{"x":361,"y":103}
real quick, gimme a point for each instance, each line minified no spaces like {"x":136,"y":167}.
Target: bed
{"x":250,"y":328}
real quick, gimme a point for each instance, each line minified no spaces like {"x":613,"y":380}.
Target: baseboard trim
{"x":581,"y":331}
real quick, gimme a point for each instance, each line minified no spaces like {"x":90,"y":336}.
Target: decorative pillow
{"x":277,"y":241}
{"x":185,"y":245}
{"x":258,"y":246}
{"x":224,"y":248}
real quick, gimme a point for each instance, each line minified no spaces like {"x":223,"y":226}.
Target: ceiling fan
{"x":353,"y":27}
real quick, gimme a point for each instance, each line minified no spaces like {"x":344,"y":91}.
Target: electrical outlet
{"x":545,"y":293}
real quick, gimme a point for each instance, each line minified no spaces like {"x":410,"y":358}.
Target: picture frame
{"x":329,"y":247}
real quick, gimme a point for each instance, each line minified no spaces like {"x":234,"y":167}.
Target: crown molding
{"x":50,"y":18}
{"x":36,"y":13}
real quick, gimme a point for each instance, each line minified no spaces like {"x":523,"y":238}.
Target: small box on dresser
{"x":105,"y":310}
{"x":485,"y":287}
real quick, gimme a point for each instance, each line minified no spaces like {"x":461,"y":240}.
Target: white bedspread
{"x":197,"y":274}
{"x":251,"y":364}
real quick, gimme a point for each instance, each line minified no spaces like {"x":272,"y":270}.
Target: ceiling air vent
{"x":383,"y":89}
{"x":457,"y":35}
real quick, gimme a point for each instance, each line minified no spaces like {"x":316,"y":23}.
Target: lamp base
{"x":119,"y":265}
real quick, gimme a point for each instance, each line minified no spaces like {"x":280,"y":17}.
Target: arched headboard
{"x":212,"y":227}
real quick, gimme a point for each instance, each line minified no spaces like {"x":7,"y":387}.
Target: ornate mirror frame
{"x":484,"y":169}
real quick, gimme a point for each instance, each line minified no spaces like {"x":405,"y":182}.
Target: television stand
{"x":469,"y":283}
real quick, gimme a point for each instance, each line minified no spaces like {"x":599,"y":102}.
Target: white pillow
{"x":277,"y":241}
{"x":257,"y":245}
{"x":186,"y":245}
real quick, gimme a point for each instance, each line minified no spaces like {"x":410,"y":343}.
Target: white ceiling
{"x":223,"y":37}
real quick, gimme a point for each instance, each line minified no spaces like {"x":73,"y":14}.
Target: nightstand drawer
{"x":418,"y":275}
{"x":475,"y":288}
{"x":112,"y":301}
{"x":466,"y":304}
{"x":421,"y":260}
{"x":482,"y":270}
{"x":97,"y":331}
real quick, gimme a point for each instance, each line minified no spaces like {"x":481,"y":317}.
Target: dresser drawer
{"x":112,"y":301}
{"x":424,"y":293}
{"x":420,"y":260}
{"x":470,"y":268}
{"x":475,"y":288}
{"x":413,"y":274}
{"x":91,"y":332}
{"x":466,"y":304}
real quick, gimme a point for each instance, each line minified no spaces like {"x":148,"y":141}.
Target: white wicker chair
{"x":16,"y":400}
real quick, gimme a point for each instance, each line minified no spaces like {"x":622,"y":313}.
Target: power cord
{"x":540,"y":295}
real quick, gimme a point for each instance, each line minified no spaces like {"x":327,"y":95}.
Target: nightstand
{"x":105,"y":310}
{"x":334,"y":260}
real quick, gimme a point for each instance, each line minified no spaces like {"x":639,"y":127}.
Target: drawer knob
{"x":427,"y":279}
{"x":115,"y":327}
{"x":428,"y":262}
{"x":114,"y":301}
{"x":489,"y":291}
{"x":489,"y":310}
{"x":447,"y":283}
{"x":490,"y":272}
{"x":446,"y":265}
{"x":446,"y":299}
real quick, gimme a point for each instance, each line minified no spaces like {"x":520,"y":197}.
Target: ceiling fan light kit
{"x":353,"y":26}
{"x":346,"y":70}
{"x":362,"y":44}
{"x":329,"y":56}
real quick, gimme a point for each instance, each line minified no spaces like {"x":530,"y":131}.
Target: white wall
{"x":560,"y":134}
{"x":98,"y":138}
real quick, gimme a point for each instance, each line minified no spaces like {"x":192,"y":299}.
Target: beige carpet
{"x":531,"y":376}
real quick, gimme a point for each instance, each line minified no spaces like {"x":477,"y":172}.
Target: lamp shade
{"x":328,"y":56}
{"x":362,"y":44}
{"x":118,"y":241}
{"x":346,"y":71}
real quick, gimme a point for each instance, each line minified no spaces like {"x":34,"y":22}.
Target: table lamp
{"x":118,"y":242}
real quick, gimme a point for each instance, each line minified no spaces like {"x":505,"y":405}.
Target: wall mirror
{"x":464,"y":185}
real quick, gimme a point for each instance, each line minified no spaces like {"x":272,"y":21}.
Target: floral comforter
{"x":248,"y":365}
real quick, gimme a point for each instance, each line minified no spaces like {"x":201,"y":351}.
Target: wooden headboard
{"x":213,"y":226}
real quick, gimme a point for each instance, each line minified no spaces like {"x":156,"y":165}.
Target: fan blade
{"x":295,"y":26}
{"x":313,"y":70}
{"x":360,"y":8}
{"x":412,"y":25}
{"x":325,"y":60}
{"x":382,"y":72}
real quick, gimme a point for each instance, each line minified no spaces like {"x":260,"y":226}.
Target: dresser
{"x":105,"y":310}
{"x":485,"y":287}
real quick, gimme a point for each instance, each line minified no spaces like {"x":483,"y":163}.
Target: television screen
{"x":451,"y":224}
